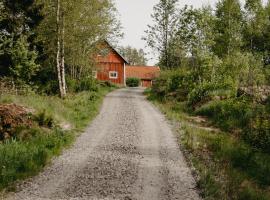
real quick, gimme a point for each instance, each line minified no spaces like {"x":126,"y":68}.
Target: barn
{"x":145,"y":73}
{"x":113,"y":67}
{"x":110,"y":65}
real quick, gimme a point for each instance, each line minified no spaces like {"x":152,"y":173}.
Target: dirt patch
{"x":13,"y":117}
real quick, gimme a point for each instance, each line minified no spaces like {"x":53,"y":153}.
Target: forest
{"x":216,"y":73}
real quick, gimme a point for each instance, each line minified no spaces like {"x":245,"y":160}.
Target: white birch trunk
{"x":58,"y":56}
{"x":63,"y":77}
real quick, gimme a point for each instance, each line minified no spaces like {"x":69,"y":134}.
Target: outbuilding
{"x":145,"y":73}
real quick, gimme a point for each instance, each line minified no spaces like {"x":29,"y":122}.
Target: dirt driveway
{"x":128,"y":152}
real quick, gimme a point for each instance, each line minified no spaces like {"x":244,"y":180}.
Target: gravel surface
{"x":128,"y":152}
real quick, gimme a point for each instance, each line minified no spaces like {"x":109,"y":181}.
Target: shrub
{"x":87,"y":84}
{"x":257,"y":133}
{"x":174,"y":84}
{"x":133,"y":82}
{"x":50,"y":87}
{"x":208,"y":91}
{"x":107,"y":84}
{"x":20,"y":59}
{"x":45,"y":120}
{"x":228,"y":114}
{"x":84,"y":84}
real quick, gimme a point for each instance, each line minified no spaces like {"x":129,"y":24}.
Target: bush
{"x":174,"y":84}
{"x":133,"y":82}
{"x":45,"y":120}
{"x":257,"y":133}
{"x":84,"y":84}
{"x":208,"y":91}
{"x":228,"y":114}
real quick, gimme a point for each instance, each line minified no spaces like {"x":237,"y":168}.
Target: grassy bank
{"x":26,"y":156}
{"x":227,"y":167}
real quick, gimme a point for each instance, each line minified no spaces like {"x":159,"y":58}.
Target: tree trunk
{"x":63,"y":57}
{"x":58,"y":54}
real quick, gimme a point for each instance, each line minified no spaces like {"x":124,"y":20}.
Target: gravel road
{"x":128,"y":152}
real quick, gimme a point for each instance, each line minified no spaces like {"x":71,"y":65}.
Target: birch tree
{"x":74,"y":28}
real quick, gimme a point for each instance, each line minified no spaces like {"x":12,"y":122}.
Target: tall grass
{"x":228,"y":168}
{"x":22,"y":158}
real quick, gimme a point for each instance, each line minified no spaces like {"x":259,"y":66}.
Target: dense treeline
{"x":216,"y":63}
{"x":48,"y":43}
{"x":217,"y":53}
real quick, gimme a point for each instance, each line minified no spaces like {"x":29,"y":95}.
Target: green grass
{"x":227,"y":167}
{"x":228,"y":114}
{"x":23,"y":158}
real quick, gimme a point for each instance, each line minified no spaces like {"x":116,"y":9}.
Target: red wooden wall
{"x":111,"y":62}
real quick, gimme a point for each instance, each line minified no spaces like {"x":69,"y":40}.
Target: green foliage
{"x":85,"y":84}
{"x":20,"y":159}
{"x":133,"y":82}
{"x":208,"y":91}
{"x":257,"y":133}
{"x":33,"y":148}
{"x":22,"y":60}
{"x":176,"y":83}
{"x":43,"y":119}
{"x":159,"y":35}
{"x":228,"y":27}
{"x":228,"y":114}
{"x":227,"y":167}
{"x":133,"y":55}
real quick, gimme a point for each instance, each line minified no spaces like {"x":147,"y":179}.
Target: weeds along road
{"x":128,"y":152}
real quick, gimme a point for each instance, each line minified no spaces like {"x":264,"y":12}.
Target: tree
{"x":229,"y":20}
{"x":70,"y":31}
{"x":255,"y":22}
{"x":23,"y":61}
{"x":18,"y":55}
{"x":134,"y":56}
{"x":159,"y":35}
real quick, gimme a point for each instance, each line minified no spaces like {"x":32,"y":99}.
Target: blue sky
{"x":135,"y":15}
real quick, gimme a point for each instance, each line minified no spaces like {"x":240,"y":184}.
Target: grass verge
{"x":23,"y":158}
{"x":227,"y":167}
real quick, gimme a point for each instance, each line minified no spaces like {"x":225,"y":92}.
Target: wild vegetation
{"x":133,"y":82}
{"x":40,"y":128}
{"x":47,"y":93}
{"x":45,"y":44}
{"x":216,"y":74}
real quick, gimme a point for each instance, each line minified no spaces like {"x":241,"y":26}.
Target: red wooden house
{"x":110,"y":65}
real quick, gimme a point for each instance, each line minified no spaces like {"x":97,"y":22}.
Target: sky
{"x":135,"y":16}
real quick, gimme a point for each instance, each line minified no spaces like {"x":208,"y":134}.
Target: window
{"x":94,"y":74}
{"x":113,"y":75}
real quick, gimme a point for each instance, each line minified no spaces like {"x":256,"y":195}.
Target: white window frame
{"x":113,"y":72}
{"x":94,"y":74}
